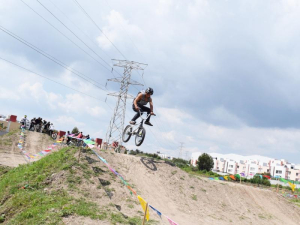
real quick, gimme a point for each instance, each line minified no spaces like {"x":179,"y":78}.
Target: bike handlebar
{"x":148,"y":115}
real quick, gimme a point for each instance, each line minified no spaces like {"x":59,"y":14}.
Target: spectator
{"x":32,"y":123}
{"x":68,"y":138}
{"x":80,"y":135}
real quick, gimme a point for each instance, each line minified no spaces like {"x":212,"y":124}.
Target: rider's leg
{"x":148,"y":110}
{"x":137,"y":115}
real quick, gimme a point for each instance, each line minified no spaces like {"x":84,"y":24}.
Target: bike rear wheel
{"x":54,"y":135}
{"x":140,"y":136}
{"x":127,"y":133}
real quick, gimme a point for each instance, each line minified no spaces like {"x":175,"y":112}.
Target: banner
{"x":158,"y":212}
{"x":171,"y":221}
{"x":293,"y":186}
{"x":144,"y":203}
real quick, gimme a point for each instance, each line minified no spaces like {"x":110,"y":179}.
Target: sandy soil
{"x":10,"y":154}
{"x":185,"y":199}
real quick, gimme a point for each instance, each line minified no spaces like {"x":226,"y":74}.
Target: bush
{"x":75,"y":130}
{"x":205,"y":162}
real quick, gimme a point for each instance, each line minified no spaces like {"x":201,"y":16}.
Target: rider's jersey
{"x":144,"y":100}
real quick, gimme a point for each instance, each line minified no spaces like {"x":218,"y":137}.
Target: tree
{"x":205,"y":162}
{"x":75,"y":130}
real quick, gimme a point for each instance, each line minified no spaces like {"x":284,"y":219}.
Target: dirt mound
{"x":10,"y":154}
{"x":184,"y":198}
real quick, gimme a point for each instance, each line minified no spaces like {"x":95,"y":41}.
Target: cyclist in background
{"x":143,"y":98}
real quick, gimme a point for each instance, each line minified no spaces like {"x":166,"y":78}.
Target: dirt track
{"x":10,"y":154}
{"x":188,"y":199}
{"x":184,"y":198}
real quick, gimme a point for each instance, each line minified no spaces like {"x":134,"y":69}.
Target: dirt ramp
{"x":10,"y":154}
{"x":195,"y":200}
{"x":36,"y":142}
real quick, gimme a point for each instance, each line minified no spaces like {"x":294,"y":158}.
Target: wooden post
{"x":79,"y":154}
{"x":145,"y":213}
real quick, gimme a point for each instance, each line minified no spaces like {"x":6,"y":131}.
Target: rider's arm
{"x":137,"y":99}
{"x":151,"y":105}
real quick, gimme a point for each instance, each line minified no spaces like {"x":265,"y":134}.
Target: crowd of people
{"x":37,"y":124}
{"x":77,"y":137}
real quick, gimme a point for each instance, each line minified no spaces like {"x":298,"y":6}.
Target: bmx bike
{"x":137,"y":129}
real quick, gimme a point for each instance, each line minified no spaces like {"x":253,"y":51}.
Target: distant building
{"x":165,"y":156}
{"x":249,"y":166}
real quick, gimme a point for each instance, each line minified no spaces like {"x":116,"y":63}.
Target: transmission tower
{"x":180,"y":149}
{"x":116,"y":127}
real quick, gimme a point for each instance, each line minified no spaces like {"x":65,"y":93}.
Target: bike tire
{"x":54,"y":136}
{"x":140,"y":136}
{"x":128,"y":131}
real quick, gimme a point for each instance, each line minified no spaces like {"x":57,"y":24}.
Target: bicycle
{"x":139,"y":131}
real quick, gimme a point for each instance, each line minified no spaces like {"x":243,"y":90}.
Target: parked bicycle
{"x":137,"y":129}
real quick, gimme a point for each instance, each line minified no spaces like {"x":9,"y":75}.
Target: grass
{"x":296,"y":201}
{"x":174,"y":172}
{"x":3,"y":170}
{"x":119,"y":218}
{"x":35,"y":206}
{"x":130,"y":206}
{"x":194,"y":197}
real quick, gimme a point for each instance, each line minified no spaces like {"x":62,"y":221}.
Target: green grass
{"x":3,"y":170}
{"x":296,"y":201}
{"x":194,"y":197}
{"x":118,"y":218}
{"x":35,"y":206}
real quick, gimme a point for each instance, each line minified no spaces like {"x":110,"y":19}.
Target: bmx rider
{"x":139,"y":105}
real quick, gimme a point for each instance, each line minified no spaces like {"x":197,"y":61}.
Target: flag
{"x":292,"y":186}
{"x":232,"y":177}
{"x":171,"y":221}
{"x":143,"y":204}
{"x":133,"y":191}
{"x":158,"y":212}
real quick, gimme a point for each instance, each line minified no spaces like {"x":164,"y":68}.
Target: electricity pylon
{"x":180,"y":150}
{"x":116,"y":127}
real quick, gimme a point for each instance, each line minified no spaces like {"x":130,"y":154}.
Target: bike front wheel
{"x":140,"y":136}
{"x":127,"y":133}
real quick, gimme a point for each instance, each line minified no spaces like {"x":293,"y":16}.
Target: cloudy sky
{"x":225,"y":73}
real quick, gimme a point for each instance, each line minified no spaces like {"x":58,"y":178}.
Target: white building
{"x":251,"y":165}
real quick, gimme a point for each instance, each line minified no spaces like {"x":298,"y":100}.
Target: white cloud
{"x":8,"y":94}
{"x":116,"y":29}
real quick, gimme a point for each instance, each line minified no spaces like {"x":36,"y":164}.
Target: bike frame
{"x":140,"y":125}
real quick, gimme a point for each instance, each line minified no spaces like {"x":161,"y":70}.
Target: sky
{"x":225,"y":74}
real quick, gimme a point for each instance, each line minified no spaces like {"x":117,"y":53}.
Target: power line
{"x":78,"y":27}
{"x":126,"y":33}
{"x":98,"y":27}
{"x":66,"y":36}
{"x":49,"y":79}
{"x":51,"y":57}
{"x":73,"y":33}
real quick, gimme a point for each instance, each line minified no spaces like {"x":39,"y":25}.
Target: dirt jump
{"x":184,"y":198}
{"x":10,"y":154}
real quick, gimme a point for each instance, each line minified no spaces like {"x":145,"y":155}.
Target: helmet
{"x":25,"y":116}
{"x":149,"y":90}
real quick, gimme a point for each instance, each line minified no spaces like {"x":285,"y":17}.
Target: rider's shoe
{"x":132,"y":122}
{"x":148,"y":123}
